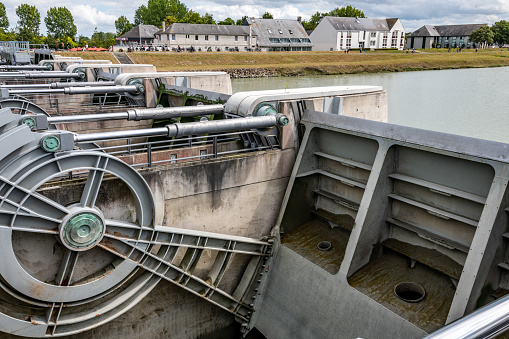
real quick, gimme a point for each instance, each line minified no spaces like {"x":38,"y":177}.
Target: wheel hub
{"x":82,"y":229}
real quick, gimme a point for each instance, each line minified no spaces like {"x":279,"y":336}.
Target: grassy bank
{"x":305,"y":63}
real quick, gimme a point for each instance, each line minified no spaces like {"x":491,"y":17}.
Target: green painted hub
{"x":82,"y":230}
{"x":283,"y":120}
{"x":50,"y":143}
{"x":29,"y":121}
{"x":139,"y":85}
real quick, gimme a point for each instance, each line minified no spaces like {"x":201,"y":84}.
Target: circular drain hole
{"x":324,"y":246}
{"x":410,"y":292}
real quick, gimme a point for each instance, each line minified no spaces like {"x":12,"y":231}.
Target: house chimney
{"x":164,"y":26}
{"x":299,"y":19}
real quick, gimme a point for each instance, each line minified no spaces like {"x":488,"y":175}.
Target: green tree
{"x":208,"y":19}
{"x":82,"y":40}
{"x":101,"y":39}
{"x":170,"y":20}
{"x":29,"y":20}
{"x":227,"y":21}
{"x":482,"y":36}
{"x":7,"y":35}
{"x":122,"y":25}
{"x":141,"y":15}
{"x":4,"y":21}
{"x":192,"y":17}
{"x":240,"y":22}
{"x":267,"y":15}
{"x":501,"y":32}
{"x":60,"y":23}
{"x":347,"y":11}
{"x":157,"y":10}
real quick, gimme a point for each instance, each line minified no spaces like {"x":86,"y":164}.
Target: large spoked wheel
{"x":69,"y":262}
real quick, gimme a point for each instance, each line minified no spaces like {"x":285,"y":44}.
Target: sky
{"x":413,"y":13}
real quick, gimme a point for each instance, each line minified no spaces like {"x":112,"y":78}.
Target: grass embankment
{"x":305,"y":63}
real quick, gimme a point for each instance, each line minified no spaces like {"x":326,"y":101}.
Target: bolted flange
{"x":139,"y":85}
{"x":82,"y":229}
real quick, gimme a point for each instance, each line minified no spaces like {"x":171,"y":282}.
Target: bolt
{"x":282,"y":120}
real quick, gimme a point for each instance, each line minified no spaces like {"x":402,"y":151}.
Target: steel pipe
{"x":185,"y":129}
{"x":486,"y":322}
{"x":142,"y":114}
{"x":173,"y":112}
{"x":25,"y":67}
{"x":55,"y":85}
{"x":220,"y":126}
{"x":75,"y":90}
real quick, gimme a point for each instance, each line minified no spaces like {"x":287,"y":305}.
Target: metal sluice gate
{"x":93,"y":265}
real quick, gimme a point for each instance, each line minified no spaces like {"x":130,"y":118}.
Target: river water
{"x":469,"y":102}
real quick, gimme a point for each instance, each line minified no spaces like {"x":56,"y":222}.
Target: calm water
{"x":470,"y":102}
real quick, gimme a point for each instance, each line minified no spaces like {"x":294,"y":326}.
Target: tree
{"x":141,"y":15}
{"x":208,"y":19}
{"x":4,"y":21}
{"x":170,"y":20}
{"x":60,"y":23}
{"x":157,"y":10}
{"x":483,"y":36}
{"x":240,"y":22}
{"x":82,"y":40}
{"x":192,"y":17}
{"x":501,"y":32}
{"x":29,"y":20}
{"x":122,"y":25}
{"x":227,"y":21}
{"x":347,"y":11}
{"x":267,"y":15}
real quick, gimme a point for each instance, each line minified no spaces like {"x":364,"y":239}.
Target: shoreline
{"x":280,"y":64}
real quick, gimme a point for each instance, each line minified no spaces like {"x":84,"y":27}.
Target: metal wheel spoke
{"x":67,"y":266}
{"x":20,"y":221}
{"x":93,"y":184}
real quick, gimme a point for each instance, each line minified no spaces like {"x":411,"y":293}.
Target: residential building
{"x":445,"y":36}
{"x":139,"y":35}
{"x":205,"y":37}
{"x":344,"y":33}
{"x":279,"y":34}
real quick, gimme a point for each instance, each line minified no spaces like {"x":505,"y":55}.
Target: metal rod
{"x":173,"y":112}
{"x":24,"y":67}
{"x":87,"y":118}
{"x":142,"y":114}
{"x":221,"y":126}
{"x":486,"y":322}
{"x":60,"y":85}
{"x":76,"y":90}
{"x":184,"y":129}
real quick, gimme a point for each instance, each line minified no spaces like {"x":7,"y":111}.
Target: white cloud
{"x":87,"y":18}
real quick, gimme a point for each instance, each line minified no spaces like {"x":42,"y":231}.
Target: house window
{"x":348,"y":43}
{"x":373,"y":34}
{"x":173,"y":37}
{"x":196,"y":37}
{"x":217,"y":37}
{"x":453,"y":41}
{"x":236,"y":38}
{"x":402,"y":41}
{"x":159,"y":37}
{"x":384,"y":43}
{"x":167,"y":37}
{"x":206,"y":38}
{"x":340,"y":42}
{"x":395,"y":34}
{"x":268,"y":30}
{"x":393,"y":43}
{"x":245,"y":38}
{"x":291,"y":32}
{"x":372,"y":43}
{"x":280,"y":31}
{"x":187,"y":36}
{"x":348,"y":35}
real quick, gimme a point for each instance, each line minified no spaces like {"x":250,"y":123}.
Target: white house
{"x":205,"y":37}
{"x":342,"y":33}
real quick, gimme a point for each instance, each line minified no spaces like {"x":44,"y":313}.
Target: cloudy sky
{"x":413,"y":13}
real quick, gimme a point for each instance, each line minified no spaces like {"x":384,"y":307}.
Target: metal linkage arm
{"x":59,"y":85}
{"x":24,"y":68}
{"x":191,"y":128}
{"x":72,"y":90}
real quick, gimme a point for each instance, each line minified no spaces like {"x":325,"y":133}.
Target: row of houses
{"x":331,"y":34}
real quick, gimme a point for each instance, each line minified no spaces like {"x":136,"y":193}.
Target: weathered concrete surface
{"x":237,"y":195}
